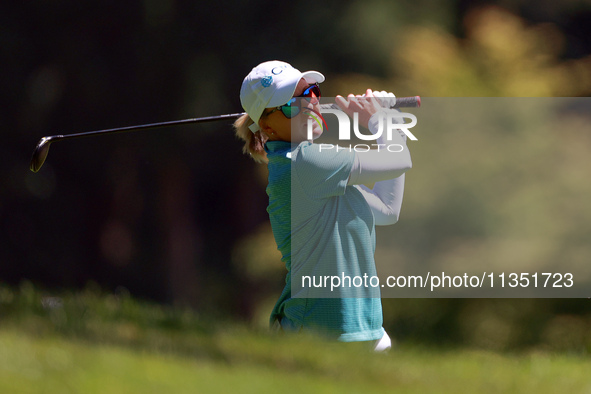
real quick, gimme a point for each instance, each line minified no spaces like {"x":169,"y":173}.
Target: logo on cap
{"x":267,"y":81}
{"x":278,"y":70}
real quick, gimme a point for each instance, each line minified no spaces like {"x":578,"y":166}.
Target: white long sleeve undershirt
{"x":385,"y":171}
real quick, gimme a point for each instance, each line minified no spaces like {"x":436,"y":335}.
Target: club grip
{"x":401,"y":102}
{"x":407,"y":102}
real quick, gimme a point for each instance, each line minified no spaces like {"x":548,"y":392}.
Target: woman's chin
{"x":304,"y":135}
{"x":317,"y":131}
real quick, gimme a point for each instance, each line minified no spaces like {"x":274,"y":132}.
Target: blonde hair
{"x":254,"y":143}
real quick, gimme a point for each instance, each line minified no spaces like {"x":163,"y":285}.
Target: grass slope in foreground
{"x":97,"y":343}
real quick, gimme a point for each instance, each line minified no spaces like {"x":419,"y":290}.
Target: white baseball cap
{"x":271,"y":84}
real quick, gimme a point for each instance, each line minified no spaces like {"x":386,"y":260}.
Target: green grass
{"x":100,"y":343}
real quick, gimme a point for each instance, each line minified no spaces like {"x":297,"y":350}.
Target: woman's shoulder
{"x":307,"y":150}
{"x":320,"y":156}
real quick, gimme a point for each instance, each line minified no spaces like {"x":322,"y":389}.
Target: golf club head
{"x":40,"y":153}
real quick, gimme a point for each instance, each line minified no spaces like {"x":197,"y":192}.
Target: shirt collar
{"x":277,"y":146}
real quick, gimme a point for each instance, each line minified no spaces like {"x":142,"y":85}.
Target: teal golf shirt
{"x":323,"y":228}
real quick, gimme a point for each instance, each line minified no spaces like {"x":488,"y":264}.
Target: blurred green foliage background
{"x":178,"y":216}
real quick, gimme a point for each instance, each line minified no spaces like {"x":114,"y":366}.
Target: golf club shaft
{"x":401,"y":102}
{"x":149,"y":126}
{"x":42,"y":148}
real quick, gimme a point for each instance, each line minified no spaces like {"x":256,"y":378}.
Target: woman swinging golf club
{"x":322,"y":214}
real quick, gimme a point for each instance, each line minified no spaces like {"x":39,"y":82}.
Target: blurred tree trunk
{"x":182,"y":240}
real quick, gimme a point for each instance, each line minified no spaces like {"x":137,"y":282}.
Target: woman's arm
{"x":385,"y":171}
{"x":385,"y":200}
{"x":375,"y":166}
{"x":378,"y":164}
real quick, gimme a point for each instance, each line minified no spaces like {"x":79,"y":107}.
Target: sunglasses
{"x":292,"y":109}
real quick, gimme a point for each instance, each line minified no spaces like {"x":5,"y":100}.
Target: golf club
{"x":42,"y":148}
